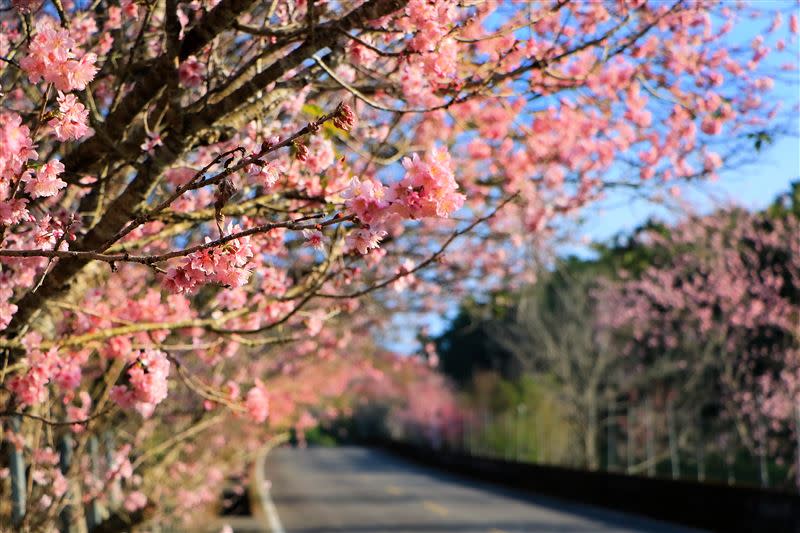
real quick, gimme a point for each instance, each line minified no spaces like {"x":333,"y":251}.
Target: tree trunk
{"x":590,"y":436}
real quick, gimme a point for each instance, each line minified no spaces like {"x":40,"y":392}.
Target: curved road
{"x":360,"y":490}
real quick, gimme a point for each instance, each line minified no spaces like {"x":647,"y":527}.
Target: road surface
{"x":360,"y":490}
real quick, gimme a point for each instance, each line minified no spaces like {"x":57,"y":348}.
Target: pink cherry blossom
{"x":712,"y":161}
{"x":224,"y":265}
{"x":266,"y":175}
{"x":14,"y":211}
{"x":80,"y":412}
{"x":406,"y":279}
{"x":130,"y":9}
{"x":7,"y":309}
{"x":429,"y":188}
{"x":134,"y":500}
{"x":257,"y":403}
{"x":363,"y":240}
{"x":52,"y":56}
{"x":191,"y":72}
{"x":30,"y":388}
{"x":153,"y":140}
{"x":72,"y":121}
{"x":147,"y":377}
{"x":16,"y":146}
{"x":365,"y":199}
{"x":46,"y":181}
{"x":315,"y":239}
{"x":320,"y":154}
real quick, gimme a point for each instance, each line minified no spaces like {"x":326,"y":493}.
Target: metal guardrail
{"x":708,"y":505}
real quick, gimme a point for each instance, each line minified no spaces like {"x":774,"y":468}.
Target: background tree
{"x":552,"y":333}
{"x":722,"y":305}
{"x":466,"y":347}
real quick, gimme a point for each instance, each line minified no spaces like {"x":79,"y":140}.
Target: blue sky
{"x":753,"y":186}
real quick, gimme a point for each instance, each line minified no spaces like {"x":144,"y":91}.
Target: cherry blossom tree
{"x":195,"y":197}
{"x":718,"y":312}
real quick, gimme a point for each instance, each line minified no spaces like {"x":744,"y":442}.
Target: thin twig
{"x":51,"y":422}
{"x":152,"y":259}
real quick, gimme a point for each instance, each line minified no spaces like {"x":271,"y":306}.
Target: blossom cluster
{"x":16,"y":146}
{"x":7,"y":309}
{"x":428,"y":190}
{"x":257,"y":403}
{"x":265,"y":175}
{"x":46,"y":181}
{"x":224,"y":265}
{"x":431,"y":21}
{"x":46,"y":367}
{"x":54,"y":57}
{"x":31,"y":388}
{"x":72,"y":120}
{"x":147,"y":383}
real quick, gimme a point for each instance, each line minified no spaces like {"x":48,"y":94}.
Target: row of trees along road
{"x":696,"y":323}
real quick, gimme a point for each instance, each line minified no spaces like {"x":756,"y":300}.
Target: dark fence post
{"x":65,"y":460}
{"x":701,"y":459}
{"x":93,"y":515}
{"x":629,"y":433}
{"x":650,"y":436}
{"x":797,"y":436}
{"x":729,"y":462}
{"x":464,"y":435}
{"x":18,"y":481}
{"x":762,"y":457}
{"x":673,"y":441}
{"x":611,"y":440}
{"x":521,"y":409}
{"x":539,"y":442}
{"x":116,"y":489}
{"x":507,"y":438}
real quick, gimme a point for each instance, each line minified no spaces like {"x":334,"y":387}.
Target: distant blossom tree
{"x":720,"y":309}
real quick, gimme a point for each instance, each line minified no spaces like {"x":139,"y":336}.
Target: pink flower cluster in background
{"x":256,"y":403}
{"x":224,"y":265}
{"x":147,"y":383}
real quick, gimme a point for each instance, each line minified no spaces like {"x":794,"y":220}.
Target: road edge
{"x":261,"y":503}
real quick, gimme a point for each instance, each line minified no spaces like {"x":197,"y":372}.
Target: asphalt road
{"x":359,"y":490}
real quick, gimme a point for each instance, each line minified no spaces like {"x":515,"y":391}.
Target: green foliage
{"x":465,"y":348}
{"x":787,"y":204}
{"x":760,"y":139}
{"x":319,"y":436}
{"x":625,"y":253}
{"x":521,"y":419}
